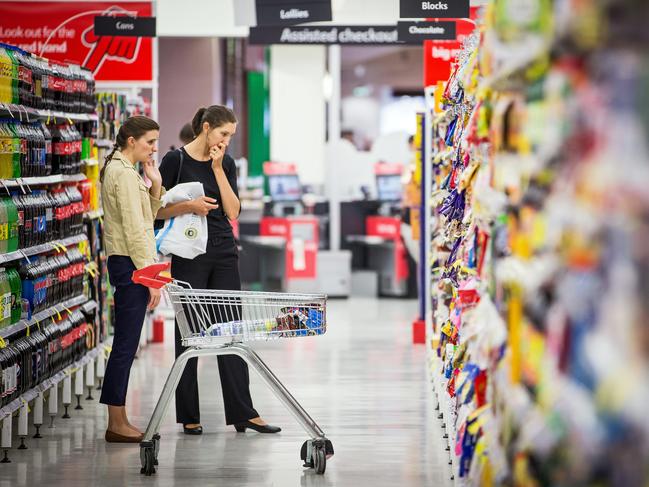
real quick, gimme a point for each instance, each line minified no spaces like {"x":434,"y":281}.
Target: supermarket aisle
{"x":363,"y":381}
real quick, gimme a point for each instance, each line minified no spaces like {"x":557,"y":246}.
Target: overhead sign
{"x":366,"y":35}
{"x":417,"y":32}
{"x":341,"y":34}
{"x":291,"y":12}
{"x":64,"y":31}
{"x":435,"y":9}
{"x":125,"y":26}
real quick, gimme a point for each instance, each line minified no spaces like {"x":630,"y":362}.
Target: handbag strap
{"x":180,"y":165}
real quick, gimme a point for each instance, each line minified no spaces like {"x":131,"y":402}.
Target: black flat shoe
{"x":241,"y":427}
{"x":198,"y":430}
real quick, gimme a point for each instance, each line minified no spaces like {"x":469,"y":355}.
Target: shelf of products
{"x":41,"y":317}
{"x":42,"y":249}
{"x":52,"y":275}
{"x":538,"y":299}
{"x":26,"y":114}
{"x":112,"y":113}
{"x":45,"y":385}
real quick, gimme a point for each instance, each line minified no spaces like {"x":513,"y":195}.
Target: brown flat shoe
{"x":112,"y":437}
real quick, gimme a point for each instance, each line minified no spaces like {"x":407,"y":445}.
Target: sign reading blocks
{"x":436,"y":9}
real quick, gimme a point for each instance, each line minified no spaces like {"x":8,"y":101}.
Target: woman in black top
{"x":204,"y":160}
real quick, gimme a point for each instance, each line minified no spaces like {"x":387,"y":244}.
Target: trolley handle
{"x":150,"y":276}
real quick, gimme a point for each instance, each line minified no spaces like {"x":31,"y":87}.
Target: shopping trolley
{"x":213,"y":322}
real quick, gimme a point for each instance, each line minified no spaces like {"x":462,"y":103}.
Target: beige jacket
{"x":129,"y":211}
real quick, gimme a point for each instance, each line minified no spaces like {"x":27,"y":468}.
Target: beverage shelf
{"x":41,"y":249}
{"x":30,"y":395}
{"x":42,"y":316}
{"x":42,"y":180}
{"x":26,"y":114}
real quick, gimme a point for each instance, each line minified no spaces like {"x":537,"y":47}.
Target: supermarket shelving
{"x":41,"y":180}
{"x":42,"y":248}
{"x":42,"y":316}
{"x":26,"y":114}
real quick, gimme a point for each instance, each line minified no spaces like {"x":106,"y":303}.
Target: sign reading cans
{"x":438,"y":9}
{"x":415,"y":32}
{"x":291,"y":12}
{"x":125,"y":26}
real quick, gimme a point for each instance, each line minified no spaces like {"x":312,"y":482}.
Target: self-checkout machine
{"x":381,"y":245}
{"x":289,"y":241}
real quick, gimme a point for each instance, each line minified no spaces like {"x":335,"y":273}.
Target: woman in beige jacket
{"x":129,"y":210}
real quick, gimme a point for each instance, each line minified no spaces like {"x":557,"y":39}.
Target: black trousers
{"x":130,"y":308}
{"x":218,"y":268}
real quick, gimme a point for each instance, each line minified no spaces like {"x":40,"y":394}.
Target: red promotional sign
{"x":64,"y":31}
{"x":440,"y":55}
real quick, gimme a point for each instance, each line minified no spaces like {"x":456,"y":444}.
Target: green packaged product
{"x":5,"y":299}
{"x":4,"y":227}
{"x":12,"y":225}
{"x":16,"y":294}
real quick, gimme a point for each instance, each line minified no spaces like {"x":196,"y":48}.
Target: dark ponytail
{"x":134,"y":127}
{"x":215,"y":116}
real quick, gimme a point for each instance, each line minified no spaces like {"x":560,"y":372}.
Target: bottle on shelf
{"x":20,"y":212}
{"x":61,"y":149}
{"x":6,"y":151}
{"x":12,"y":224}
{"x":8,"y":76}
{"x":22,"y":168}
{"x":16,"y":295}
{"x":47,"y":136}
{"x":4,"y":227}
{"x":39,"y":73}
{"x":5,"y":299}
{"x":25,"y":77}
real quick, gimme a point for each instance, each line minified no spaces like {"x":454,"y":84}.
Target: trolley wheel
{"x":156,"y":447}
{"x":309,"y":450}
{"x":319,"y":460}
{"x":147,"y":458}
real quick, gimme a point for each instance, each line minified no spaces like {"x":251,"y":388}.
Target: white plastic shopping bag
{"x":184,"y":235}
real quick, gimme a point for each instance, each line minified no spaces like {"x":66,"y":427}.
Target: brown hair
{"x":134,"y":127}
{"x":186,"y":133}
{"x":215,"y":115}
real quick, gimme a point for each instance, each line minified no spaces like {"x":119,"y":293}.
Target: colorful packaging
{"x":16,"y":295}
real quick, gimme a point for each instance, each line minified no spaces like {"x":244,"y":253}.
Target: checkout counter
{"x":284,"y":243}
{"x":371,"y":229}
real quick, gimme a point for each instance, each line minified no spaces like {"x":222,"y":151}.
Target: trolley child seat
{"x":214,"y":322}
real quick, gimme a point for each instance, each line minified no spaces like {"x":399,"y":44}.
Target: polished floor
{"x":363,"y":382}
